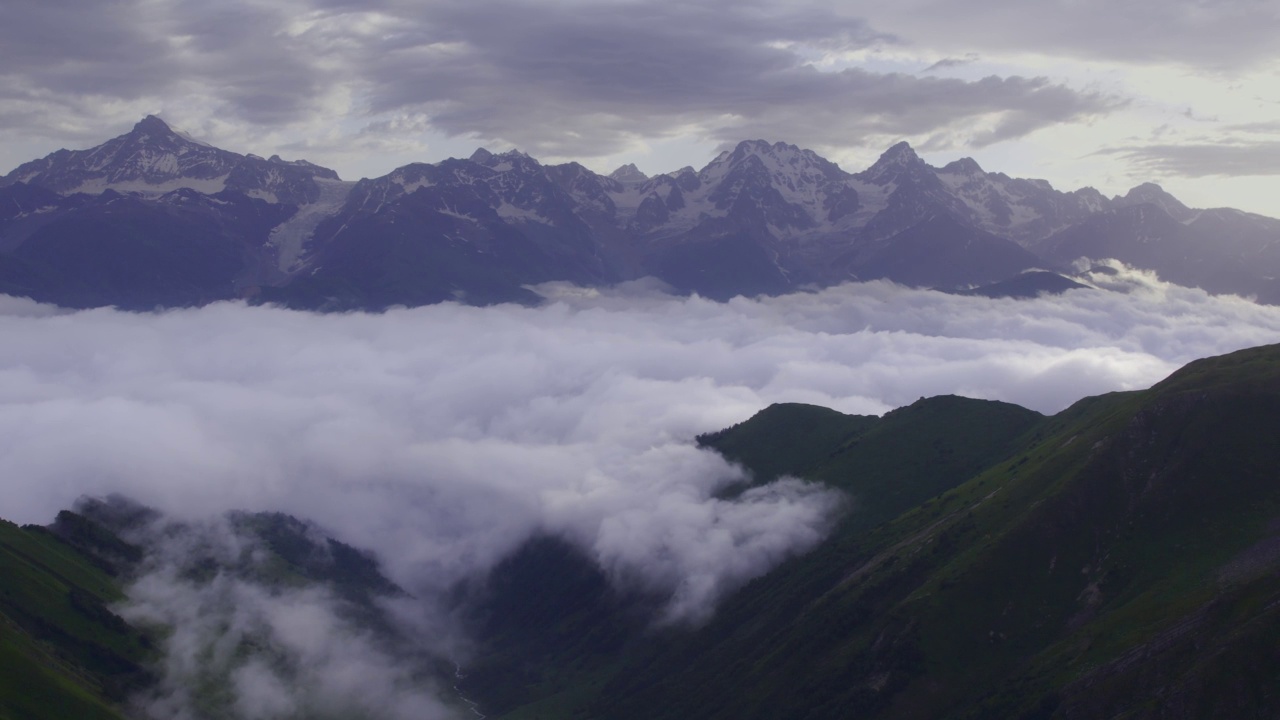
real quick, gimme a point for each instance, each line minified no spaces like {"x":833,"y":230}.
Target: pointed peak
{"x":895,"y":163}
{"x":1152,"y":194}
{"x":481,"y":156}
{"x":900,"y":152}
{"x":1148,"y":192}
{"x":151,"y":123}
{"x":628,"y":173}
{"x":153,"y":127}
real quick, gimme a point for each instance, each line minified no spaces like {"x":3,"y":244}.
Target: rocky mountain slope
{"x":155,"y":218}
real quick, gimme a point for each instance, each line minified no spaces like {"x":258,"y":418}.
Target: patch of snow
{"x":289,"y":237}
{"x":507,"y":211}
{"x":628,"y":200}
{"x":98,"y":186}
{"x":264,"y":195}
{"x":455,"y":214}
{"x":871,"y":200}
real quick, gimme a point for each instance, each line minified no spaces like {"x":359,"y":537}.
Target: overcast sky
{"x":1081,"y":92}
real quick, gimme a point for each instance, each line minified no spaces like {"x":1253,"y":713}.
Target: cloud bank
{"x":442,"y":437}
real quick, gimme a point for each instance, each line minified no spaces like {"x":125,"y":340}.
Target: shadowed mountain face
{"x":196,"y":224}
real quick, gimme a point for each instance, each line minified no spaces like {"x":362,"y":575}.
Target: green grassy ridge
{"x":63,"y":653}
{"x":1100,"y":535}
{"x":36,"y":685}
{"x":787,"y":439}
{"x":878,"y":461}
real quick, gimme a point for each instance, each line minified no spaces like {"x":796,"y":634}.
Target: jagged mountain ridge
{"x":760,"y":218}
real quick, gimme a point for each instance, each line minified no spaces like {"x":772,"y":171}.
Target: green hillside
{"x":886,"y":465}
{"x":63,"y":653}
{"x":1120,"y":562}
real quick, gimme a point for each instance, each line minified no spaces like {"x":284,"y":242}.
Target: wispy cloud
{"x":1239,"y":158}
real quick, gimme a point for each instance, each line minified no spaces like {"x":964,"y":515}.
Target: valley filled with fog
{"x":441,"y":438}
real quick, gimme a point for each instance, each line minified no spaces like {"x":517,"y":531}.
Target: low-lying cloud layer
{"x":442,"y":437}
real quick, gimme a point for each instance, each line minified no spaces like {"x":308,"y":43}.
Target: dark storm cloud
{"x":1204,"y":159}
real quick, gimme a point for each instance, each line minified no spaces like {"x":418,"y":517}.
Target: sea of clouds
{"x":442,"y":437}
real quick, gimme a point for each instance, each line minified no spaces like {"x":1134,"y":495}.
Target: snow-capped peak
{"x":893,"y":164}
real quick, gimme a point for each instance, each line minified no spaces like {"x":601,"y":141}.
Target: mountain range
{"x":155,"y":218}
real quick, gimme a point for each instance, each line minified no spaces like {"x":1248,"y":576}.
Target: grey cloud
{"x":951,"y":62}
{"x":74,"y":47}
{"x":1219,"y":36}
{"x":559,"y":79}
{"x":233,"y":55}
{"x":587,"y":79}
{"x":1241,"y":158}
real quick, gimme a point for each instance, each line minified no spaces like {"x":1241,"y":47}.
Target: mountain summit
{"x":762,"y":217}
{"x":153,"y":159}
